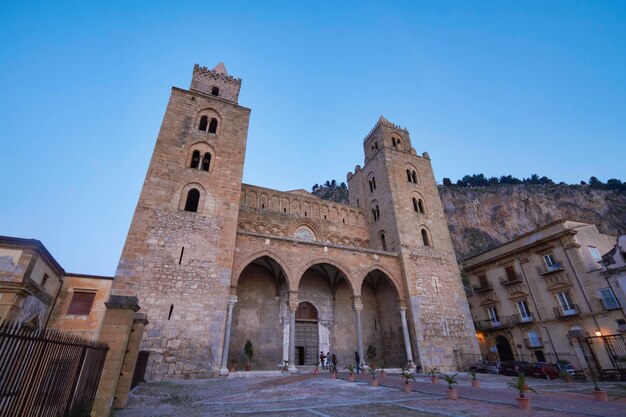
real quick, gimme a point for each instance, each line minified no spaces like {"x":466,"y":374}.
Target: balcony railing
{"x":555,"y":267}
{"x":483,"y":287}
{"x":489,"y":324}
{"x":621,"y":328}
{"x":609,"y":304}
{"x":536,"y":342}
{"x":571,"y":310}
{"x":519,"y":319}
{"x":505,"y":281}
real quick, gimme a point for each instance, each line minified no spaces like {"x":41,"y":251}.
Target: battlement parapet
{"x":382,"y":121}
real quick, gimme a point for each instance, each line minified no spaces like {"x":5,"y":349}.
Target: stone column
{"x":357,"y":305}
{"x":115,"y":331}
{"x":130,"y":360}
{"x":407,"y":340}
{"x":232,"y":299}
{"x":293,"y":307}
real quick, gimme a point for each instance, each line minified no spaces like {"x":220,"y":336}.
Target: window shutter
{"x":81,"y":303}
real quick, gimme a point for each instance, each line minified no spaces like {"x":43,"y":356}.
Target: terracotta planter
{"x":523,"y":403}
{"x":231,"y":369}
{"x":475,"y":383}
{"x":316,"y":371}
{"x":452,"y":394}
{"x":600,"y":395}
{"x":333,"y":375}
{"x":382,"y":374}
{"x":407,"y":387}
{"x":374,"y":382}
{"x":351,"y":378}
{"x":434,"y":380}
{"x":568,"y":378}
{"x":247,"y":368}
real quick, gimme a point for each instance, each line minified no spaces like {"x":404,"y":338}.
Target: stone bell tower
{"x":179,"y":251}
{"x":398,"y":189}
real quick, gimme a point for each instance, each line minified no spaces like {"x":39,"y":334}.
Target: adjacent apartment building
{"x":544,"y":297}
{"x":614,"y":268}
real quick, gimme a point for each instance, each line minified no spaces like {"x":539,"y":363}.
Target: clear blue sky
{"x":493,"y":87}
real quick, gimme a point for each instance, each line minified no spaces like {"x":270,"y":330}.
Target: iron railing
{"x":483,"y":287}
{"x":47,"y":373}
{"x":510,"y":280}
{"x":571,"y":310}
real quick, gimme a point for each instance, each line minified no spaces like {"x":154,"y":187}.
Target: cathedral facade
{"x":214,"y":262}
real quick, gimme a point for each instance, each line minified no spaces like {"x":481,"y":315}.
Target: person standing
{"x":334,"y":361}
{"x":322,"y":362}
{"x":328,"y":360}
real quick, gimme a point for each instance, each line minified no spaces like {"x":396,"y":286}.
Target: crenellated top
{"x":215,"y":82}
{"x":382,"y":121}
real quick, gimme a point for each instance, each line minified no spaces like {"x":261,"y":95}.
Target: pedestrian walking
{"x":334,"y":361}
{"x":328,"y":360}
{"x":322,"y":361}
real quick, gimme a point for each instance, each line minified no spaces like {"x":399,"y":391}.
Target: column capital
{"x":232,"y":300}
{"x":293,"y":301}
{"x":357,"y":303}
{"x":402,"y":305}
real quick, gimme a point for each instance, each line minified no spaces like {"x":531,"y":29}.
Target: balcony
{"x":483,"y":287}
{"x":519,"y":319}
{"x":510,"y":280}
{"x":571,"y":310}
{"x":608,"y":304}
{"x":491,"y":324}
{"x":621,"y":328}
{"x":536,"y":342}
{"x":549,"y":269}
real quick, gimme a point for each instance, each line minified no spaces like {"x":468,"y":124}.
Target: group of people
{"x":328,"y":361}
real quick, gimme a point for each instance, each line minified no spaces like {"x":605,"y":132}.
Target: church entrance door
{"x":307,"y":335}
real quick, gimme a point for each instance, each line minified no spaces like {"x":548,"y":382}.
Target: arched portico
{"x":257,"y":313}
{"x":382,"y":319}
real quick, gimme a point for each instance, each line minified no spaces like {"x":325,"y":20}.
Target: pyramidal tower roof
{"x":220,"y":68}
{"x":382,"y":121}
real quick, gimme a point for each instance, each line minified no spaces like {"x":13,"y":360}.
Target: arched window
{"x":383,"y":243}
{"x":374,"y":214}
{"x":215,"y":91}
{"x":374,"y":182}
{"x":415,"y":205}
{"x":193,"y":198}
{"x":195,"y":159}
{"x":393,"y":142}
{"x":377,"y":213}
{"x":408,"y":175}
{"x":206,"y":161}
{"x":413,"y":175}
{"x":420,"y":206}
{"x":371,"y":186}
{"x":204,"y":122}
{"x":213,"y":125}
{"x":376,"y":145}
{"x":425,"y":239}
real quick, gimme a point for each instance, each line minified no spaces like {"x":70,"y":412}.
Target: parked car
{"x":513,"y":367}
{"x":543,"y":370}
{"x":492,"y":367}
{"x":478,"y":366}
{"x":567,"y":367}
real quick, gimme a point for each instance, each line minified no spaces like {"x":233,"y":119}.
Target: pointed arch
{"x":392,"y":278}
{"x":342,"y":269}
{"x":241,"y":265}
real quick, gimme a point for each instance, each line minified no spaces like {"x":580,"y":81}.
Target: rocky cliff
{"x":480,"y":218}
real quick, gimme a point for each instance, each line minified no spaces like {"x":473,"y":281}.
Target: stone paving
{"x":306,"y":395}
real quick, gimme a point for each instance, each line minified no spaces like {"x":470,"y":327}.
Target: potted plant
{"x":450,"y":380}
{"x":249,"y":352}
{"x":567,"y":377}
{"x":433,"y":375}
{"x":598,"y":394}
{"x":475,"y":382}
{"x":350,"y":369}
{"x":232,"y":364}
{"x":372,"y":371}
{"x":407,"y":376}
{"x":519,"y":383}
{"x":371,"y":355}
{"x":285,"y":367}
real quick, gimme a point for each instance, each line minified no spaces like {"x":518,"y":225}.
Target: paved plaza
{"x":306,"y":395}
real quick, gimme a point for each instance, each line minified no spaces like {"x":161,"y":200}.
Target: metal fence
{"x":47,"y":373}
